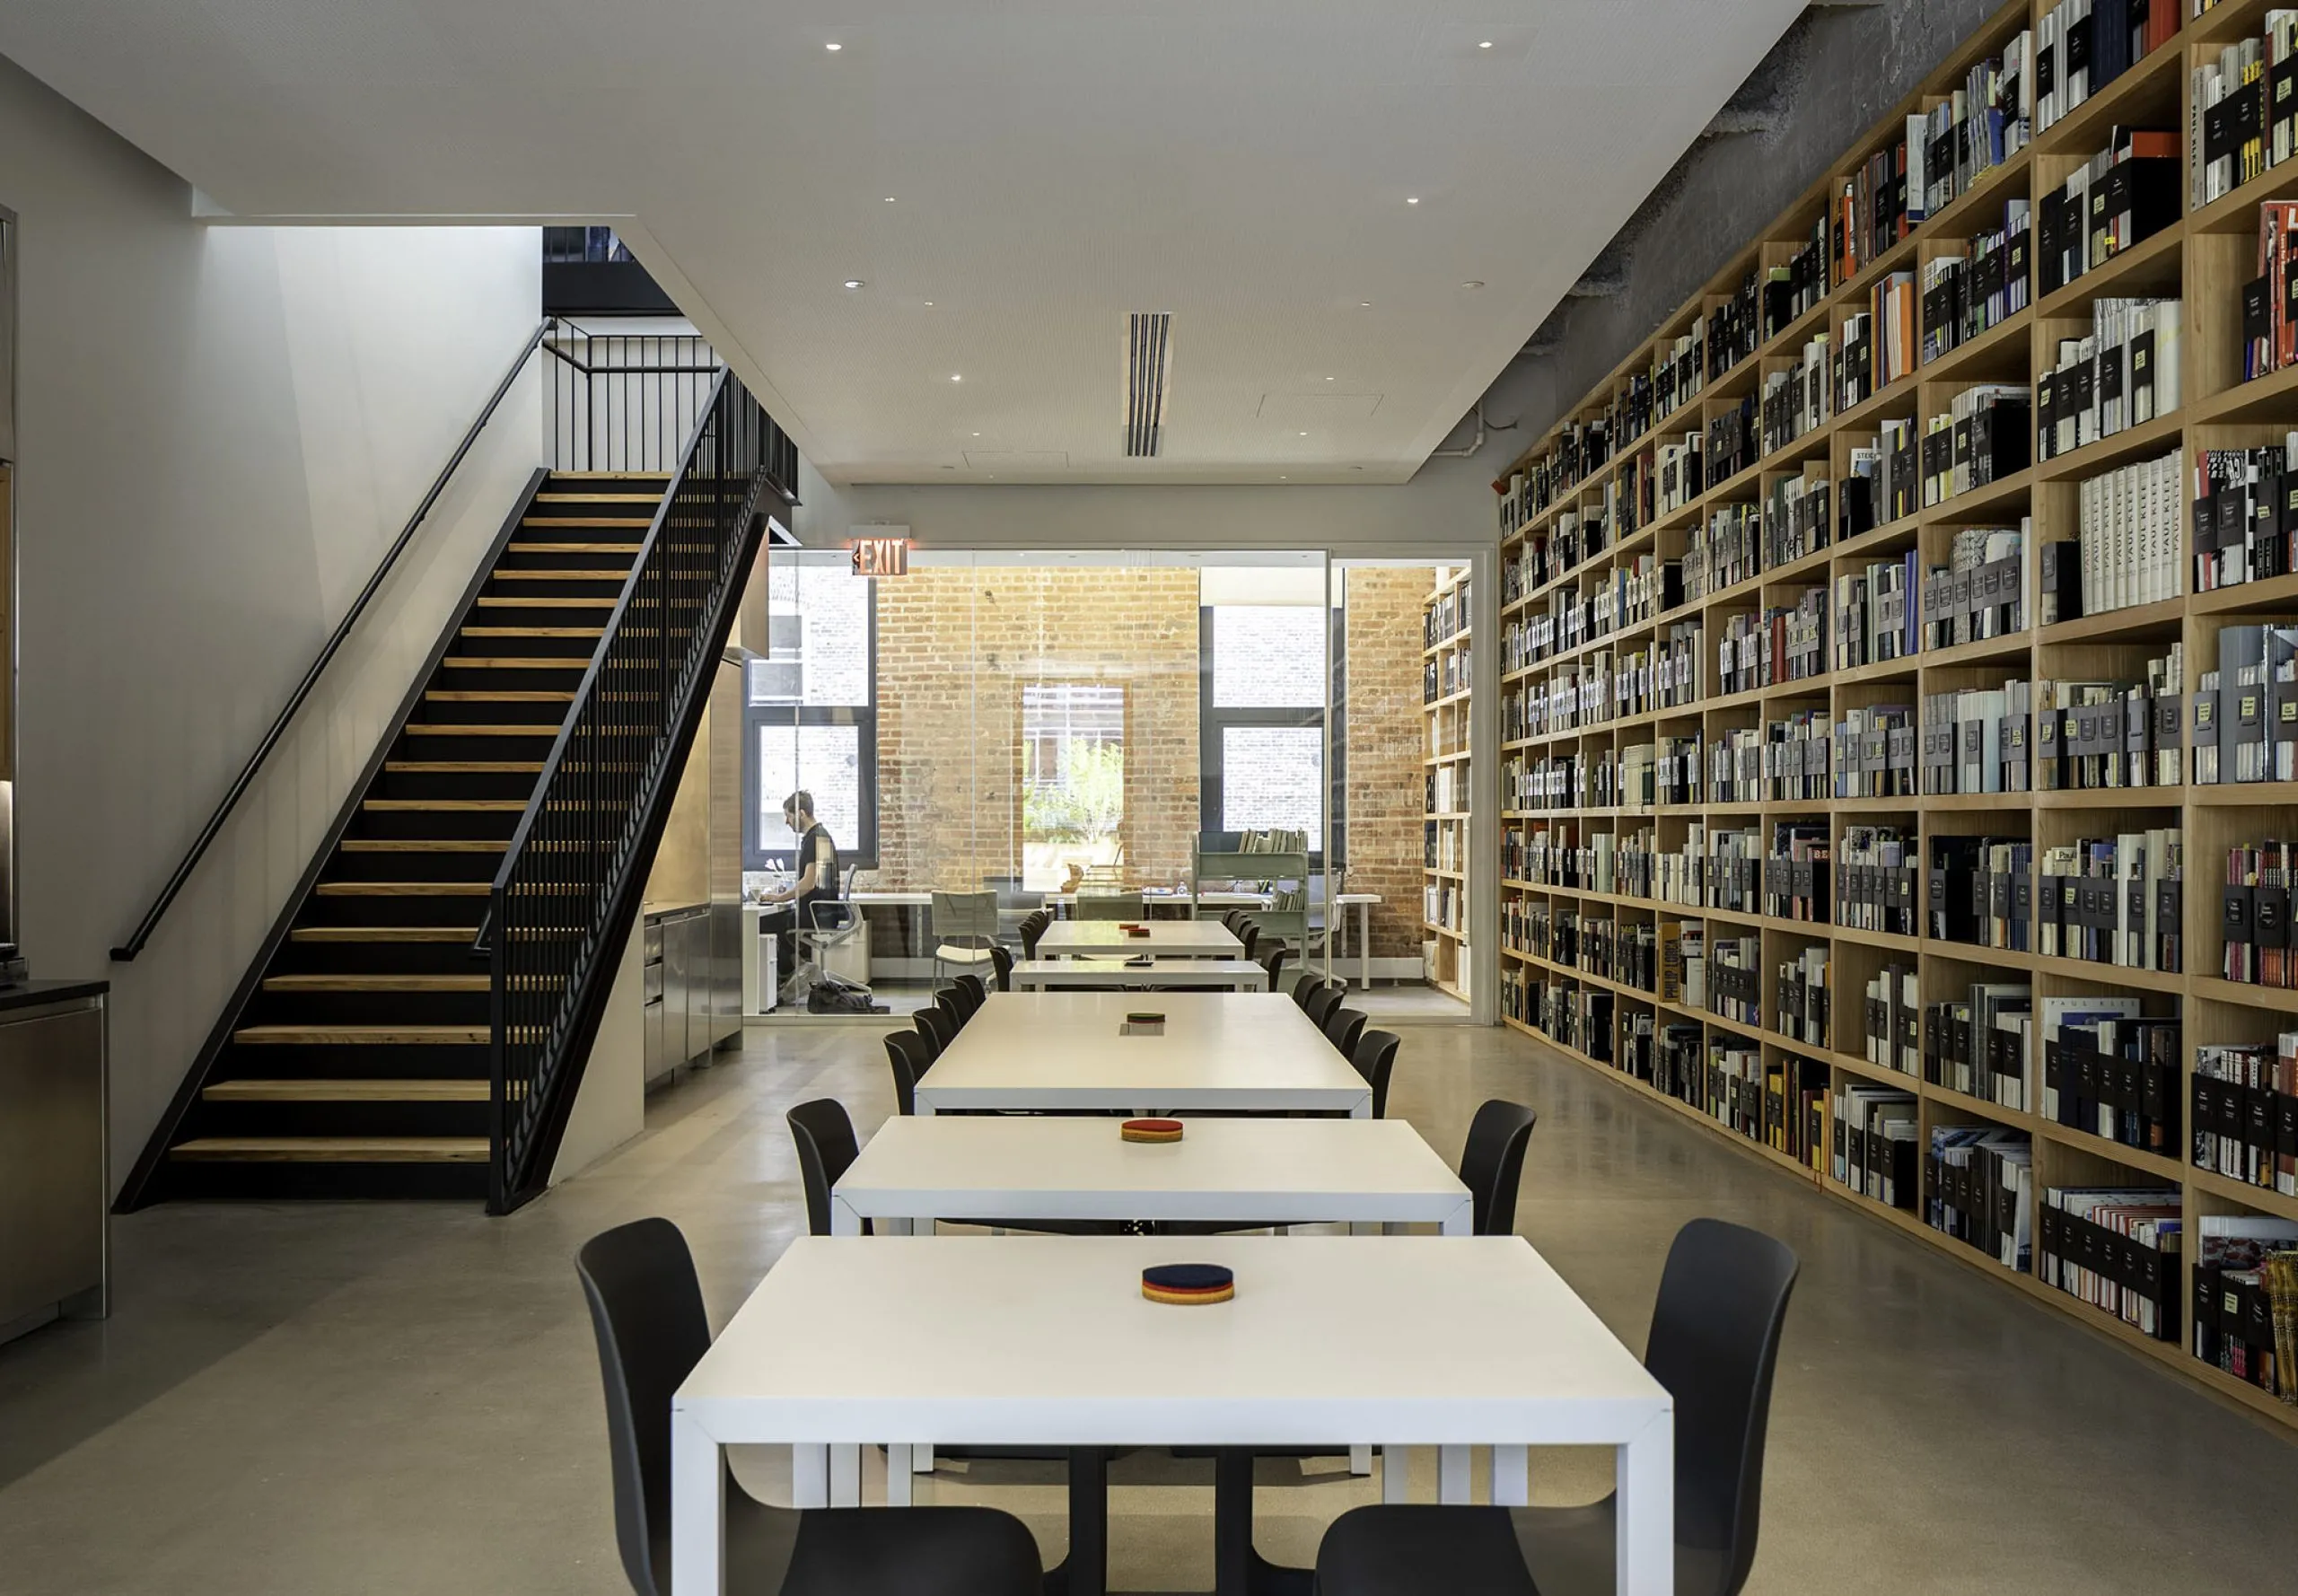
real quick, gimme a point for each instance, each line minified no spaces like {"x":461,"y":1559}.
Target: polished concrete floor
{"x":405,"y":1399}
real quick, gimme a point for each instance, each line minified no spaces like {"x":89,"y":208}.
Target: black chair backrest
{"x":646,"y":1310}
{"x":1342,"y":1026}
{"x":1033,"y":927}
{"x":1233,"y":918}
{"x":936,"y":1026}
{"x":970,"y":994}
{"x":1001,"y":959}
{"x":1305,"y":989}
{"x":906,"y":1053}
{"x":1321,"y":1007}
{"x":1273,"y":960}
{"x":1374,"y":1058}
{"x":954,"y":1007}
{"x":1249,"y":934}
{"x":826,"y":1150}
{"x":1715,"y":1343}
{"x":1492,"y":1163}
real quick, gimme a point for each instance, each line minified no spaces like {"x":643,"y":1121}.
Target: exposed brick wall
{"x":956,"y":647}
{"x":1387,"y":741}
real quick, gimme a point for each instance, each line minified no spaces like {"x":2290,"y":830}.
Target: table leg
{"x":1363,"y":1109}
{"x":1364,"y":943}
{"x":1512,"y":1479}
{"x":809,"y":1477}
{"x":921,"y":1460}
{"x":1461,"y":1221}
{"x":897,"y":1475}
{"x":1360,"y":1458}
{"x":1646,"y":1480}
{"x":1238,"y":1570}
{"x":1451,"y":1473}
{"x":1396,"y":1465}
{"x":1085,"y":1571}
{"x":843,"y":1220}
{"x":846,"y":1475}
{"x":697,"y":1510}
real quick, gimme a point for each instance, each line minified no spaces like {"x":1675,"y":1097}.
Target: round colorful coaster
{"x":1151,"y":1130}
{"x":1187,"y":1284}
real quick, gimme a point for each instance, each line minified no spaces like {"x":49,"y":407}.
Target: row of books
{"x":2270,"y":298}
{"x":2109,"y":735}
{"x":1975,"y":740}
{"x":2116,"y":899}
{"x":2245,"y":513}
{"x":2129,"y":521}
{"x":1971,"y":293}
{"x":2124,"y":374}
{"x":2117,"y":1248}
{"x":2246,"y":1300}
{"x":2082,"y":46}
{"x":2254,"y":914}
{"x":2243,"y":1122}
{"x":2246,"y":707}
{"x":2240,"y":124}
{"x":1980,"y":1179}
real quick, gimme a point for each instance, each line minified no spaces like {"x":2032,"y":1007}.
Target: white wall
{"x":609,"y":1105}
{"x":221,"y":429}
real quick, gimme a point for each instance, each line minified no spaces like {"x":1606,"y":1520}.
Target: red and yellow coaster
{"x":1151,"y":1130}
{"x":1135,"y":930}
{"x":1189,"y":1285}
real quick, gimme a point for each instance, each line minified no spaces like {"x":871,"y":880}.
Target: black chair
{"x":906,"y":1054}
{"x":949,"y":1004}
{"x":827,"y":1149}
{"x":1319,"y":1007}
{"x":936,"y":1026}
{"x":1374,"y":1058}
{"x":1342,"y":1027}
{"x":970,"y":993}
{"x":1715,"y":1343}
{"x":1233,"y":918}
{"x":1032,"y":927}
{"x":1250,"y":935}
{"x":646,"y":1309}
{"x":1001,"y":961}
{"x":1492,"y":1163}
{"x":1305,"y":988}
{"x":1274,"y":961}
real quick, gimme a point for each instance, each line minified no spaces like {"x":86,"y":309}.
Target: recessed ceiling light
{"x":929,"y":304}
{"x":1364,"y":305}
{"x":976,"y":434}
{"x":1482,"y":44}
{"x":1331,"y":379}
{"x":854,"y":283}
{"x":1473,"y":283}
{"x":833,"y":45}
{"x":1412,"y":199}
{"x":955,"y":377}
{"x":890,"y":200}
{"x":1304,"y":435}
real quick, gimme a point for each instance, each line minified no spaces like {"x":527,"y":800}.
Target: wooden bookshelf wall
{"x":2204,"y":259}
{"x":1444,"y":661}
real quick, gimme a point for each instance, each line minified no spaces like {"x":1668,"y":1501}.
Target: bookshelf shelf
{"x":1447,"y":629}
{"x":2201,"y":258}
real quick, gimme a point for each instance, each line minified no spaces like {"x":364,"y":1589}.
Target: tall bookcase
{"x":1445,"y":920}
{"x":2202,"y":257}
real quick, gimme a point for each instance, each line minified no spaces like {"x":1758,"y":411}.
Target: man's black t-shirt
{"x":815,"y":847}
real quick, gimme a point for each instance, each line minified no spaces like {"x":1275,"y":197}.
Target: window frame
{"x":1213,"y":723}
{"x":856,"y":853}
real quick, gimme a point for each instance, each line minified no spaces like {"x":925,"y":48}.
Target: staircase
{"x":356,"y":1061}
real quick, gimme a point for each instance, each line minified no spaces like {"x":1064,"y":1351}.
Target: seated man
{"x":815,"y":880}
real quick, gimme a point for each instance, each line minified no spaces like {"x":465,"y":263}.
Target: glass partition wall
{"x":1043,"y":727}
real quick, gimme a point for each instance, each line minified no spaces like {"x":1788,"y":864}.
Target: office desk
{"x":1454,"y":1342}
{"x":1228,"y":975}
{"x":1167,"y":939}
{"x":1064,"y":1050}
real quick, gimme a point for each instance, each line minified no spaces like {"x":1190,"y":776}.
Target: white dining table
{"x":1232,"y":974}
{"x":1368,"y":1173}
{"x":1048,"y":1051}
{"x":1166,"y":939}
{"x":1450,"y":1342}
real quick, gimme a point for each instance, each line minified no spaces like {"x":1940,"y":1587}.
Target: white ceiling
{"x":1054,"y":164}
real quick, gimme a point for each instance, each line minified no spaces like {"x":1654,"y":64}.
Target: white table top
{"x":1241,"y":974}
{"x":1047,"y":1340}
{"x":1276,"y":1171}
{"x":1168,"y":939}
{"x":1064,"y":1050}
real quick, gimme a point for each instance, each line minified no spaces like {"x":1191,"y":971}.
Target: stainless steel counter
{"x":693,"y":983}
{"x":55,"y":1179}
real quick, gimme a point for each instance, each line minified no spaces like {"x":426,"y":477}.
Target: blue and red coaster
{"x":1189,"y":1285}
{"x":1151,"y":1130}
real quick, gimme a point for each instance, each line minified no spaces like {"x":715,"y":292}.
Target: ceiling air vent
{"x":1148,"y":357}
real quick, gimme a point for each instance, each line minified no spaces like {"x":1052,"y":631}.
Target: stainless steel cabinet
{"x":53,"y":1184}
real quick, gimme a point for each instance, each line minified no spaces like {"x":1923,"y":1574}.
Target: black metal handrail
{"x":568,"y":880}
{"x":145,"y":928}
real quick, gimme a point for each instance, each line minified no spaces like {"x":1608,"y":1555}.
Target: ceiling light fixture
{"x":1482,"y":44}
{"x":1304,"y":435}
{"x":1473,"y":283}
{"x":1412,"y":199}
{"x":854,"y":283}
{"x":976,"y":434}
{"x":929,"y":304}
{"x":890,"y":200}
{"x":1331,"y":379}
{"x":833,"y":46}
{"x":955,"y":377}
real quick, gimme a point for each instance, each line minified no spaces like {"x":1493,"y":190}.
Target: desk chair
{"x":1321,"y":1007}
{"x":1273,"y":960}
{"x":835,"y":925}
{"x":948,"y":1006}
{"x":1306,"y":989}
{"x":1110,"y":906}
{"x":964,"y":929}
{"x":1001,"y":960}
{"x":1032,"y":927}
{"x":1374,"y":1058}
{"x":970,"y":991}
{"x":1715,"y":1343}
{"x":1249,"y":934}
{"x":1492,"y":1162}
{"x":1343,"y":1027}
{"x":909,"y":1055}
{"x":937,"y":1027}
{"x":827,"y":1149}
{"x":646,"y":1310}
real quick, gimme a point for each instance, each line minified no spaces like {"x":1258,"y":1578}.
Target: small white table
{"x":1360,"y":1172}
{"x":1361,"y":902}
{"x":1454,"y":1342}
{"x":1064,"y":1050}
{"x":1229,"y":974}
{"x":1167,"y":939}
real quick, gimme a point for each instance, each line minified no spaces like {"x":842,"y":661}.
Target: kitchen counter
{"x":30,"y":994}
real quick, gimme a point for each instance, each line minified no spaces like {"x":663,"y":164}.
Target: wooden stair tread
{"x":391,"y":983}
{"x":362,"y":1036}
{"x":503,"y":696}
{"x":497,"y":805}
{"x":466,"y":766}
{"x":661,"y":477}
{"x":378,"y":1090}
{"x":572,"y":662}
{"x":598,"y":498}
{"x":546,"y":603}
{"x":334,"y":1149}
{"x":568,"y":576}
{"x":478,"y":728}
{"x":637,"y":521}
{"x":424,"y":844}
{"x":384,"y":933}
{"x":534,"y":631}
{"x":524,"y":547}
{"x":403,"y":889}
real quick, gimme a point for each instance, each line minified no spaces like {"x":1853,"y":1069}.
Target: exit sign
{"x":881,"y":556}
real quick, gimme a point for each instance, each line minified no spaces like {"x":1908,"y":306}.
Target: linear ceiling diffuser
{"x":1148,"y":357}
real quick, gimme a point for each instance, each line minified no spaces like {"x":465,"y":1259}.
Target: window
{"x":810,"y":719}
{"x":1261,"y":718}
{"x":1073,"y":779}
